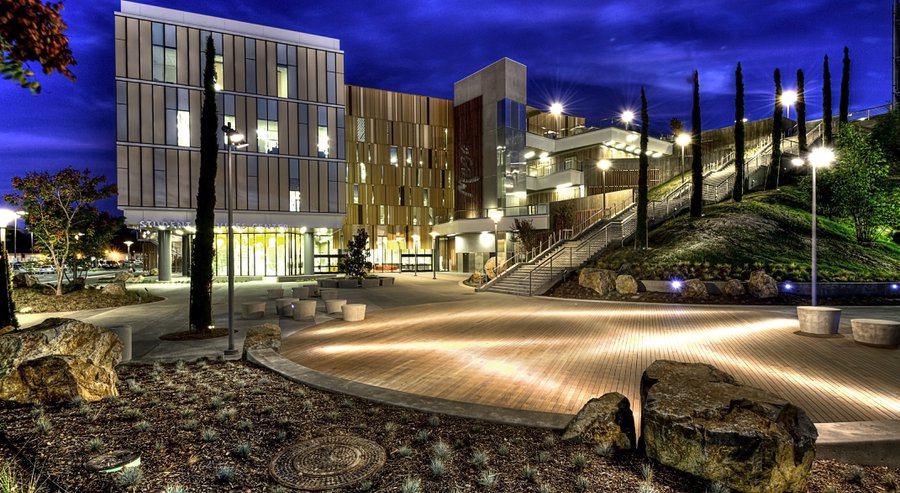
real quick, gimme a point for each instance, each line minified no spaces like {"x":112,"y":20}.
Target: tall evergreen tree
{"x":7,"y":305}
{"x":801,"y":111}
{"x":696,"y":156}
{"x":643,"y":170}
{"x":826,"y":103}
{"x":775,"y":166}
{"x":737,"y":192}
{"x":202,"y":259}
{"x":844,"y":105}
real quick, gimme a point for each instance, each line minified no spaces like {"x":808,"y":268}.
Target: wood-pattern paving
{"x":551,"y":355}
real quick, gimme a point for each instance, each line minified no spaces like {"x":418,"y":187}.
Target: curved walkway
{"x":548,"y":355}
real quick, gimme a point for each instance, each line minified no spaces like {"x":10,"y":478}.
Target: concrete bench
{"x":877,"y":333}
{"x":334,"y":306}
{"x":348,"y":283}
{"x":386,"y":281}
{"x":328,"y":283}
{"x":328,"y":293}
{"x":354,"y":312}
{"x":819,"y":320}
{"x":274,"y":294}
{"x":285,"y":306}
{"x":304,"y":309}
{"x":253,"y":309}
{"x":371,"y":282}
{"x":300,"y":292}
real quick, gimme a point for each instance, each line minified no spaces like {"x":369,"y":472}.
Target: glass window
{"x":121,"y":111}
{"x":281,"y":74}
{"x":163,"y":56}
{"x":409,"y":157}
{"x":252,"y":183}
{"x":267,"y":126}
{"x":183,"y":128}
{"x":220,"y":72}
{"x":362,"y":172}
{"x":425,"y":197}
{"x":394,"y":157}
{"x":323,"y":142}
{"x":294,"y":185}
{"x":250,"y":64}
{"x":360,"y":129}
{"x":355,"y":193}
{"x":159,"y":177}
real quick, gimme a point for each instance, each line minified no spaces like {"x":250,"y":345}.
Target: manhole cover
{"x":325,"y":463}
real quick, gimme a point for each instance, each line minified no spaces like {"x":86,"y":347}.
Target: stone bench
{"x":877,"y":333}
{"x":304,"y":309}
{"x":274,"y":294}
{"x":253,"y":309}
{"x":285,"y":306}
{"x":819,"y":320}
{"x":334,"y":306}
{"x":300,"y":292}
{"x":328,"y":283}
{"x":354,"y":312}
{"x":328,"y":293}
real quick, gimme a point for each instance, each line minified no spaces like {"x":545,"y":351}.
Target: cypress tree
{"x":775,"y":166}
{"x":826,"y":103}
{"x":640,"y":240}
{"x":202,"y":259}
{"x":844,"y":105}
{"x":801,"y":111}
{"x":7,"y":305}
{"x":738,"y":191}
{"x":696,"y":157}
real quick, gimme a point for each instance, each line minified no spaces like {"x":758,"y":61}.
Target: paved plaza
{"x":437,"y":338}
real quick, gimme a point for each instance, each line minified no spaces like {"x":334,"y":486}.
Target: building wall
{"x":400,"y":172}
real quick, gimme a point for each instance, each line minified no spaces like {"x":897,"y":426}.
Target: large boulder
{"x":699,"y":420}
{"x":25,"y":280}
{"x":58,"y":360}
{"x":490,"y":268}
{"x":116,"y":288}
{"x":605,"y":420}
{"x":733,"y":287}
{"x":626,"y":284}
{"x":762,"y":285}
{"x":694,"y":289}
{"x":602,"y":281}
{"x":123,"y":276}
{"x":265,"y":336}
{"x":475,"y":279}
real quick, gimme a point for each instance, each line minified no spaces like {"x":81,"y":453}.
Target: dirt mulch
{"x":36,"y":300}
{"x":187,"y":420}
{"x":194,"y":336}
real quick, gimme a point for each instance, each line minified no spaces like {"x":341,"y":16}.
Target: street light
{"x":434,"y":256}
{"x":128,"y":245}
{"x":233,"y":139}
{"x":787,"y":99}
{"x":415,"y":239}
{"x":683,"y":140}
{"x":818,"y":157}
{"x":556,"y":110}
{"x":627,"y":118}
{"x":604,"y":165}
{"x":496,"y":215}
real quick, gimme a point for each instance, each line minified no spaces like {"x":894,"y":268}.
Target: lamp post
{"x":556,"y":109}
{"x":434,"y":255}
{"x":787,"y":99}
{"x":233,"y":138}
{"x":627,"y":118}
{"x":496,"y":215}
{"x":604,"y":165}
{"x":128,"y":245}
{"x":415,"y":239}
{"x":818,"y":157}
{"x":683,"y":140}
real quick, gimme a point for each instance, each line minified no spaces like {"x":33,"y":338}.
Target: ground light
{"x":676,"y":284}
{"x":233,"y":139}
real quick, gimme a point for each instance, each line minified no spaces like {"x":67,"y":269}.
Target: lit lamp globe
{"x":556,"y":109}
{"x":603,"y":164}
{"x":627,"y":117}
{"x":788,"y":98}
{"x":683,"y":139}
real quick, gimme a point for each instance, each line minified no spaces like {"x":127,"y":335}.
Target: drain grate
{"x":326,"y":463}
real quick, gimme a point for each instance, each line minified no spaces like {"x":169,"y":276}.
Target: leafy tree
{"x":524,"y":234}
{"x":640,"y":238}
{"x":32,"y":31}
{"x":887,"y":134}
{"x":7,"y":305}
{"x":826,"y":103}
{"x":738,"y":191}
{"x":355,"y":262}
{"x":93,"y":241}
{"x":775,"y":166}
{"x":696,"y":157}
{"x":562,"y":215}
{"x":677,"y":126}
{"x":59,"y":206}
{"x":844,"y":105}
{"x":200,"y":315}
{"x":801,"y":111}
{"x":856,"y":187}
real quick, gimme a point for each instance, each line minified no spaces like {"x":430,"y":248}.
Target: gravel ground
{"x":190,"y":421}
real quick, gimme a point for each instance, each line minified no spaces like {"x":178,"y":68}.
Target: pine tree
{"x":643,"y":170}
{"x":696,"y":157}
{"x":826,"y":103}
{"x":7,"y":305}
{"x":775,"y":166}
{"x":738,"y":191}
{"x":801,"y":111}
{"x":202,"y":260}
{"x":844,"y":105}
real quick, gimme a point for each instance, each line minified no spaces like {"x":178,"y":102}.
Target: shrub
{"x":129,"y":477}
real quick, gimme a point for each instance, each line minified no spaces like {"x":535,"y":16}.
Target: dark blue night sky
{"x":593,"y":56}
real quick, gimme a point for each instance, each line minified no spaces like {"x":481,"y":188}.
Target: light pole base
{"x":231,"y":352}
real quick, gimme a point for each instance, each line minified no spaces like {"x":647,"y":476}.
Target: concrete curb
{"x":870,"y":443}
{"x":268,"y":358}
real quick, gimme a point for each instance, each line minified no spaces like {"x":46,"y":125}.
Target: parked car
{"x":45,"y":269}
{"x":109,"y":264}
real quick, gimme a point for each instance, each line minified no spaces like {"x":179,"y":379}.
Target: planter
{"x":274,"y":294}
{"x":819,"y":320}
{"x":253,"y":310}
{"x":348,"y":283}
{"x":328,"y":283}
{"x":284,"y":307}
{"x":386,"y":281}
{"x":304,"y":309}
{"x":328,"y":293}
{"x":371,"y":282}
{"x":876,"y":333}
{"x":300,"y":292}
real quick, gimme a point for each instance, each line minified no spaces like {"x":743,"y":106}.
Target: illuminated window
{"x":178,"y":119}
{"x":286,"y":70}
{"x":220,"y":72}
{"x":294,"y":185}
{"x":281,"y":76}
{"x":323,"y":142}
{"x":409,"y":158}
{"x":355,"y":193}
{"x":163,"y":52}
{"x":362,"y":172}
{"x":183,"y":126}
{"x":267,"y":126}
{"x":425,"y":197}
{"x":394,"y":157}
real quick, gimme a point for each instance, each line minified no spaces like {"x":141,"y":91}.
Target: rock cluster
{"x":733,"y":287}
{"x":58,"y":360}
{"x":602,"y":281}
{"x":626,"y":284}
{"x":116,"y":288}
{"x":606,"y":421}
{"x":25,"y":280}
{"x":694,"y":289}
{"x":762,"y":285}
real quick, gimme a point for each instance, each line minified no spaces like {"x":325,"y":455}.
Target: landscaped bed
{"x":216,"y":426}
{"x":40,"y":300}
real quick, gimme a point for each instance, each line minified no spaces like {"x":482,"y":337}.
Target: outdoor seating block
{"x":328,"y":293}
{"x":304,"y":309}
{"x":274,"y":294}
{"x":386,"y":281}
{"x":285,"y":306}
{"x":253,"y":309}
{"x":313,"y":289}
{"x":819,"y":320}
{"x":300,"y":292}
{"x":877,"y":333}
{"x":334,"y":306}
{"x":371,"y":282}
{"x":354,"y":312}
{"x":348,"y":283}
{"x":328,"y":283}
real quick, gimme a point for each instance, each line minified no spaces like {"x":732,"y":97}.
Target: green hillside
{"x":769,"y":230}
